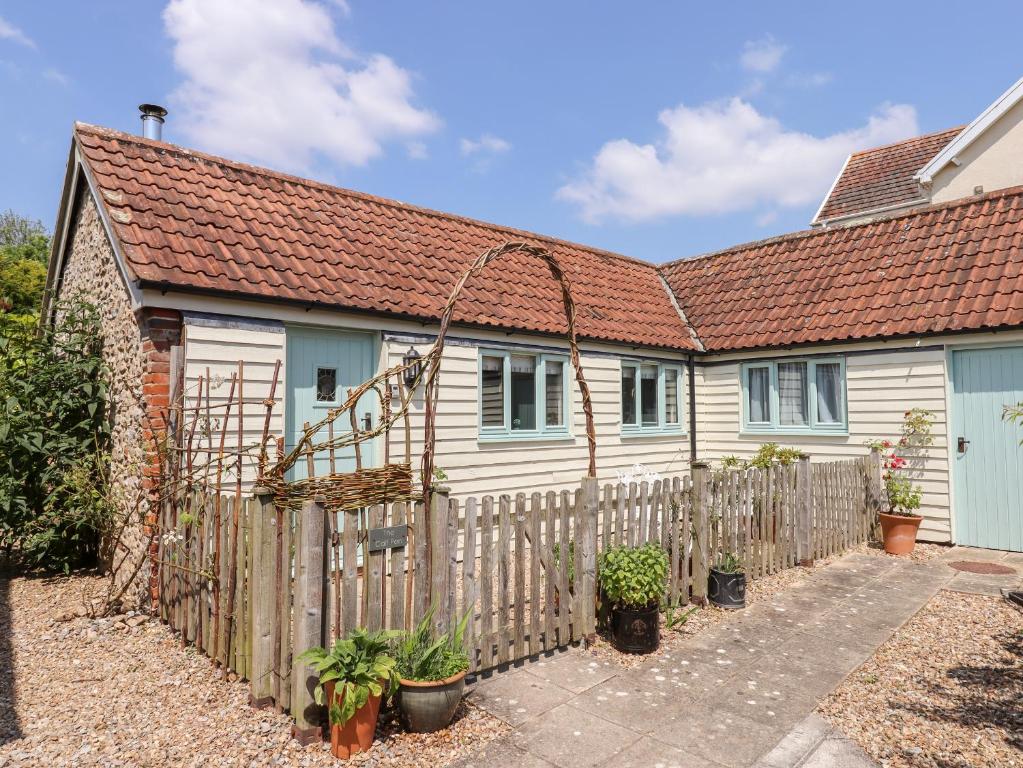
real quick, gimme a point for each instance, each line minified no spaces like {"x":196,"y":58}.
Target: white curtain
{"x":792,"y":393}
{"x":829,"y":399}
{"x":759,"y":390}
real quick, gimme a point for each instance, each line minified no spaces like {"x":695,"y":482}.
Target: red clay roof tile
{"x":949,"y":267}
{"x":201,"y":222}
{"x":882,"y":177}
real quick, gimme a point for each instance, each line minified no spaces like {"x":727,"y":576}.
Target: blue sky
{"x":659,"y":130}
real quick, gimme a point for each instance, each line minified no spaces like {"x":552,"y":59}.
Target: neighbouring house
{"x":906,"y":292}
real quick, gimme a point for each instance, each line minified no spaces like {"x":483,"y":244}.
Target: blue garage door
{"x":988,"y":455}
{"x":322,"y":366}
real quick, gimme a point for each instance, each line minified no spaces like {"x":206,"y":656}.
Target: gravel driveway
{"x":121,"y":692}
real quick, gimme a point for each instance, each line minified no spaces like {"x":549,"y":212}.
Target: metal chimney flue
{"x":152,"y":121}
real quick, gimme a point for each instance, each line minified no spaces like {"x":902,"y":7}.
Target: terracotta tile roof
{"x":880,"y":177}
{"x":950,"y":267}
{"x":204,"y":223}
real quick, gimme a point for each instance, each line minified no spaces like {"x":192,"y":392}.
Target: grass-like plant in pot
{"x":355,"y":674}
{"x":431,"y":670}
{"x":726,"y":582}
{"x":633,"y":580}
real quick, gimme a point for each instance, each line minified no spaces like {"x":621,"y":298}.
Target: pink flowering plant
{"x":904,"y":497}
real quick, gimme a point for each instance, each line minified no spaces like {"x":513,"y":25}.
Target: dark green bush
{"x":53,"y":440}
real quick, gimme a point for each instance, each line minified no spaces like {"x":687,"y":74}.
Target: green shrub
{"x":634,"y":577}
{"x":729,"y":563}
{"x":903,"y":496}
{"x":421,"y":655}
{"x":53,"y":440}
{"x":359,"y":666}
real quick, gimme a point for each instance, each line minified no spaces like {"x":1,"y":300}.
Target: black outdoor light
{"x":413,"y":368}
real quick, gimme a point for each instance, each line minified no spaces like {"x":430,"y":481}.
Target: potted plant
{"x":900,"y":525}
{"x":726,"y":583}
{"x":633,"y":579}
{"x":354,"y":674}
{"x":431,"y":671}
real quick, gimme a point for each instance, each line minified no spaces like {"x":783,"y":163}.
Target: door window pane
{"x":648,"y":393}
{"x":829,"y":393}
{"x":326,"y":385}
{"x":523,"y":392}
{"x":492,"y":386}
{"x":792,"y":396}
{"x":671,"y":377}
{"x":628,"y":394}
{"x":759,"y":388}
{"x":554,"y":393}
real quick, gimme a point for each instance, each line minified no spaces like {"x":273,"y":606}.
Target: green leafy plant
{"x":421,"y":655}
{"x":1014,"y":413}
{"x":634,"y":577}
{"x":676,"y":614}
{"x":903,"y":496}
{"x":729,"y":563}
{"x":359,"y":666}
{"x":54,"y":440}
{"x":766,"y":456}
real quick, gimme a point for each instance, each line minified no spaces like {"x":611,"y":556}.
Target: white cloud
{"x":416,"y":150}
{"x":763,"y":55}
{"x":54,"y":75}
{"x":487,"y":143}
{"x":10,"y":32}
{"x":723,"y":157}
{"x":271,"y":81}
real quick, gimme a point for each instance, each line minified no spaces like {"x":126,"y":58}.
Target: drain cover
{"x":973,"y":566}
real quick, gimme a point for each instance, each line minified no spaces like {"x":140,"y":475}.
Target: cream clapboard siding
{"x":473,"y":467}
{"x":215,"y":350}
{"x":478,"y":467}
{"x":881,"y":388}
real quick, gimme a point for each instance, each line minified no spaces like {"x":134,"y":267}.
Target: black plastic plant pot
{"x":726,"y":590}
{"x":636,"y":630}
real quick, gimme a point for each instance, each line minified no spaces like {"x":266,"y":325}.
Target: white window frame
{"x":542,"y":431}
{"x":813,"y":425}
{"x":662,"y":427}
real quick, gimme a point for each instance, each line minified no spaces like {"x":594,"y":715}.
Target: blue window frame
{"x":523,"y":395}
{"x":795,"y":396}
{"x":652,"y":398}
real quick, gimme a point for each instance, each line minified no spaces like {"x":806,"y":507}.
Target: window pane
{"x":326,"y":385}
{"x":792,"y":394}
{"x":759,"y":388}
{"x":829,"y":393}
{"x":628,"y":394}
{"x":671,"y":396}
{"x":492,"y":386}
{"x":648,"y":393}
{"x":554,"y":393}
{"x":523,"y":392}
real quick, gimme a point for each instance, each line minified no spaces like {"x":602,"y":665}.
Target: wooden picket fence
{"x":523,"y":569}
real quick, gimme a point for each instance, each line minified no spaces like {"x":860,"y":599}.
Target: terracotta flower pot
{"x":428,"y":706}
{"x":899,"y":533}
{"x":357,"y":734}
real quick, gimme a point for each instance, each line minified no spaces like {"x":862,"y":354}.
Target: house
{"x":906,"y":292}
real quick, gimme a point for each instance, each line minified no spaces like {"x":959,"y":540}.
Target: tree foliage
{"x":53,"y":440}
{"x":24,"y":253}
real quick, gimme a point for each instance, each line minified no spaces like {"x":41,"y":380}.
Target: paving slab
{"x":517,"y":696}
{"x":502,"y":753}
{"x":572,"y":738}
{"x":642,"y":705}
{"x":815,"y":742}
{"x":651,"y":753}
{"x":723,"y":737}
{"x":572,"y":671}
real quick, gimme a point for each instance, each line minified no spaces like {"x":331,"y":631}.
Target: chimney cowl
{"x":152,"y":120}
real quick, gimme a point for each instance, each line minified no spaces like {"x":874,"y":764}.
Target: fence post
{"x":440,"y":501}
{"x":310,"y":572}
{"x":264,"y":532}
{"x":875,"y":492}
{"x":804,"y":512}
{"x":587,"y":542}
{"x":701,"y":519}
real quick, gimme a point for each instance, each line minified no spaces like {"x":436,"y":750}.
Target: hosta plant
{"x":634,"y":577}
{"x":359,"y":666}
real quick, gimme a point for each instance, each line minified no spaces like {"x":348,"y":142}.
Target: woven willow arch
{"x":434,"y":363}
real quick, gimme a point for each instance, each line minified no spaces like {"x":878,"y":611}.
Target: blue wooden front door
{"x":988,"y":456}
{"x":322,"y":366}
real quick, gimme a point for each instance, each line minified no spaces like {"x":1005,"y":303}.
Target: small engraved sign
{"x":390,"y":537}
